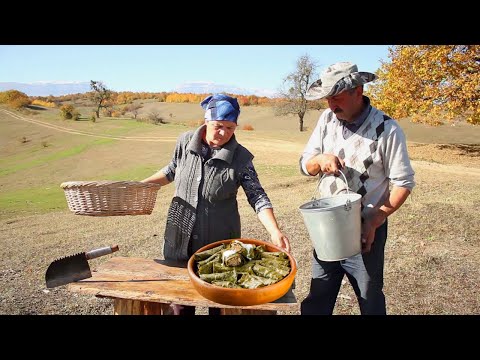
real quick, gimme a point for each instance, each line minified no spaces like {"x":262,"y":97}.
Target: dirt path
{"x":85,"y":133}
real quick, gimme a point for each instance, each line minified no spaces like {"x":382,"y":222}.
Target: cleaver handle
{"x":100,"y":252}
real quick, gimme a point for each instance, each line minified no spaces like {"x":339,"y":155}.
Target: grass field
{"x":432,"y":253}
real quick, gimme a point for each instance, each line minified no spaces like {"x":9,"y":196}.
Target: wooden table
{"x":148,"y":286}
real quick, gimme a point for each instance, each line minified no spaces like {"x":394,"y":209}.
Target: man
{"x":370,"y":149}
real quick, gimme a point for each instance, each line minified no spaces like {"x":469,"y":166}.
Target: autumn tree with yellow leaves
{"x":14,"y":99}
{"x":430,"y":83}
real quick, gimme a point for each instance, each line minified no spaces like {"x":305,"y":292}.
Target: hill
{"x":432,"y":251}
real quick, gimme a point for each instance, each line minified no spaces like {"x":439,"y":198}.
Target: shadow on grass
{"x":36,"y":107}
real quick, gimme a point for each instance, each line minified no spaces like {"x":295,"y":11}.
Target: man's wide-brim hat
{"x":336,"y":79}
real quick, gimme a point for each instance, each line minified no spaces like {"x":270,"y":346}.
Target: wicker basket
{"x":110,"y":198}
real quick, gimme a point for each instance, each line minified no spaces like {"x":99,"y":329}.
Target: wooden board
{"x":158,"y":281}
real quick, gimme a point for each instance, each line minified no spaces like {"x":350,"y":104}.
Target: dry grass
{"x":432,"y":252}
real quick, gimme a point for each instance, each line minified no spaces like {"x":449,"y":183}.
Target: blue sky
{"x":155,"y":68}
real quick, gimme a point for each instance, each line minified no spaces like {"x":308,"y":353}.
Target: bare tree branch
{"x":294,"y":88}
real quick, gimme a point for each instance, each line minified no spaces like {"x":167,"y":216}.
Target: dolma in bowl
{"x":219,"y":287}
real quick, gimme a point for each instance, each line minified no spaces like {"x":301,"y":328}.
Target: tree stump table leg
{"x":136,"y":307}
{"x":233,"y":311}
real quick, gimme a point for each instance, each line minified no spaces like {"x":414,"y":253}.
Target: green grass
{"x":51,"y":197}
{"x":26,"y":153}
{"x":33,"y":200}
{"x":16,"y":166}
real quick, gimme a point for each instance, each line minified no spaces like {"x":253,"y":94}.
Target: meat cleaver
{"x":75,"y":267}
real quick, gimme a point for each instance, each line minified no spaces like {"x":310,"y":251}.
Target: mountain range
{"x":44,"y":88}
{"x":205,"y":87}
{"x":59,"y":88}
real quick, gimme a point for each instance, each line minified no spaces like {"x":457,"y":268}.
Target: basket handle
{"x":319,"y":182}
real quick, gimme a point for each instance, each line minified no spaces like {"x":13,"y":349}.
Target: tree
{"x":155,"y":117}
{"x":430,"y":83}
{"x":133,"y":108}
{"x":294,"y":88}
{"x":100,"y":95}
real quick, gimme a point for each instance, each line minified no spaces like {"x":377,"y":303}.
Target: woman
{"x":208,"y":167}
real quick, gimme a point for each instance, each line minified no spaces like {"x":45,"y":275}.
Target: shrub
{"x":155,"y":117}
{"x":247,"y":127}
{"x":18,"y":103}
{"x":67,"y":111}
{"x":14,"y":98}
{"x":47,"y":104}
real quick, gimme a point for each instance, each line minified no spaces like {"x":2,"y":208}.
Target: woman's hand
{"x":270,"y":223}
{"x":280,"y":240}
{"x":158,"y":178}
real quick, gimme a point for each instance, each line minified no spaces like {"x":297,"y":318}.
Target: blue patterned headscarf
{"x":221,"y":107}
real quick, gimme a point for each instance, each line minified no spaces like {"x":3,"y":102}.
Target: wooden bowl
{"x":242,"y":297}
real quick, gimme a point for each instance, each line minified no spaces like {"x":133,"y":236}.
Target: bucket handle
{"x":319,"y":182}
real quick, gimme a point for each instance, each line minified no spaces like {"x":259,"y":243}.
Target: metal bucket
{"x":334,"y":224}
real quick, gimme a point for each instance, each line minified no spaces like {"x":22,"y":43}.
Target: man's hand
{"x":326,"y":163}
{"x":374,"y":220}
